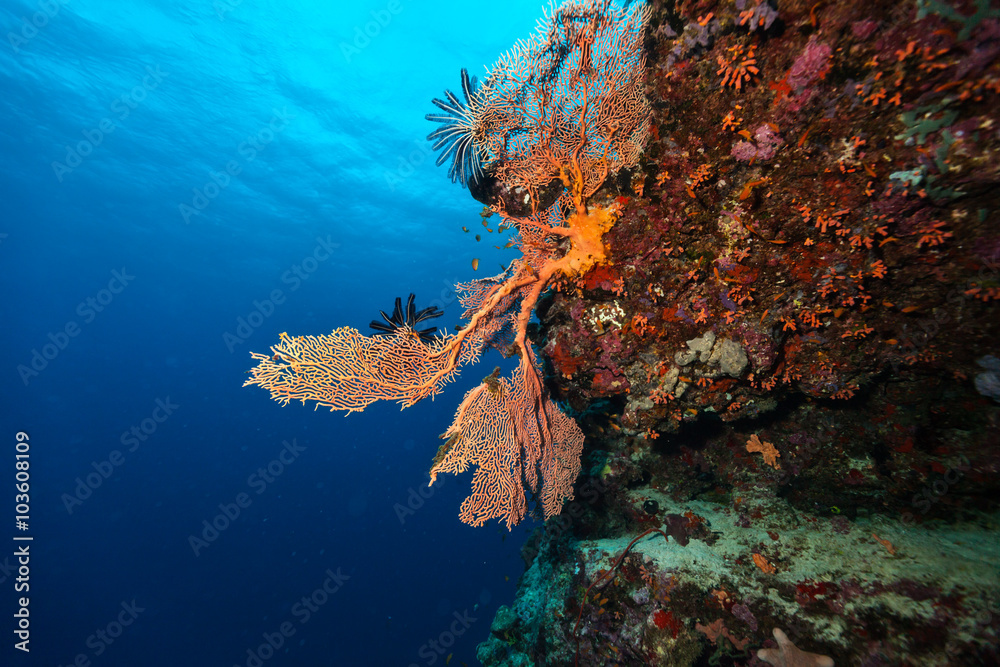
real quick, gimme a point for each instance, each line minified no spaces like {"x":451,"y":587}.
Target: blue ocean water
{"x":181,"y":182}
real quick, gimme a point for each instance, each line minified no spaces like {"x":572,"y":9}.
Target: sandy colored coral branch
{"x":766,"y":449}
{"x":788,"y":655}
{"x":717,"y":629}
{"x":763,"y":564}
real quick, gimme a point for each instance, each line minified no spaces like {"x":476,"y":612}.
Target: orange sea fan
{"x":770,"y":454}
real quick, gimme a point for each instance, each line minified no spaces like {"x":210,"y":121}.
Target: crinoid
{"x":456,"y":138}
{"x":407,"y":318}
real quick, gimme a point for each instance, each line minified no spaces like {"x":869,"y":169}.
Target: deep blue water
{"x":301,"y":147}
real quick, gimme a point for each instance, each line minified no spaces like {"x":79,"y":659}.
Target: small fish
{"x":448,"y":659}
{"x":475,"y":264}
{"x":465,"y":229}
{"x":478,"y":237}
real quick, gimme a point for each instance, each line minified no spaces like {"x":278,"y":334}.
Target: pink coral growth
{"x":812,"y":63}
{"x":767,"y":145}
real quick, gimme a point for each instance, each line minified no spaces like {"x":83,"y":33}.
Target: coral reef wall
{"x":789,"y":364}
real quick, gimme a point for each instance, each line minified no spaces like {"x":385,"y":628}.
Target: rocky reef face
{"x":789,"y":365}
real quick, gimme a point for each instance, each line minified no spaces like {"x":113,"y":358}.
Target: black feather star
{"x":407,"y":319}
{"x":457,"y":134}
